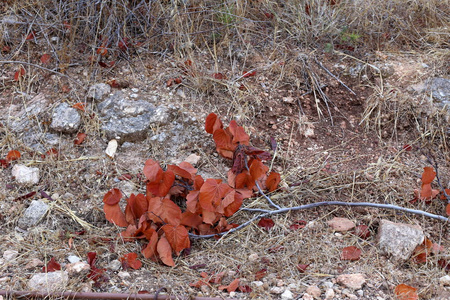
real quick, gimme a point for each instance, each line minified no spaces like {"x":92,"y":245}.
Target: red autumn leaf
{"x":362,"y":231}
{"x":245,"y":289}
{"x":351,"y":253}
{"x":180,"y":171}
{"x":80,"y":106}
{"x":266,"y":223}
{"x":447,"y":209}
{"x":224,"y":143}
{"x":19,"y":74}
{"x":13,"y":155}
{"x":123,"y":44}
{"x":242,"y":87}
{"x":130,"y":260}
{"x":302,"y":267}
{"x":152,"y":170}
{"x":249,"y":74}
{"x":177,"y":236}
{"x":136,"y":207}
{"x":52,"y":152}
{"x":443,"y":197}
{"x":428,"y":175}
{"x":235,"y":205}
{"x":97,"y":275}
{"x":238,"y":133}
{"x":218,"y":76}
{"x":231,"y":287}
{"x":165,"y":252}
{"x":115,"y":215}
{"x":192,"y":201}
{"x":268,"y":15}
{"x":243,"y":180}
{"x":211,"y":193}
{"x":163,"y":210}
{"x":6,"y":49}
{"x":298,"y":224}
{"x":423,"y":251}
{"x":161,"y":186}
{"x":405,"y":292}
{"x":190,"y":219}
{"x":407,"y":147}
{"x":257,"y":169}
{"x":51,"y":266}
{"x":212,"y":123}
{"x":102,"y":50}
{"x":80,"y":138}
{"x":112,"y":197}
{"x":4,"y":163}
{"x":30,"y":36}
{"x":272,"y":181}
{"x":188,"y":62}
{"x":130,"y":234}
{"x":150,"y":250}
{"x":45,"y":58}
{"x":260,"y":274}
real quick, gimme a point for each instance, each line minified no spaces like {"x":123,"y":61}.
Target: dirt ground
{"x":367,"y":142}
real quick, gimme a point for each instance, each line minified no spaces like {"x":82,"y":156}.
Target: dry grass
{"x":278,"y":39}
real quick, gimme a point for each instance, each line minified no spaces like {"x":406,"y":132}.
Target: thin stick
{"x":89,"y":295}
{"x":326,"y":203}
{"x":334,"y":76}
{"x":40,"y":67}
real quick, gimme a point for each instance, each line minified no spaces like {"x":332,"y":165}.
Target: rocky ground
{"x":348,"y":126}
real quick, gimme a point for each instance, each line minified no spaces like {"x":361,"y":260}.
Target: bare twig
{"x":326,"y":203}
{"x":334,"y":76}
{"x":88,"y":295}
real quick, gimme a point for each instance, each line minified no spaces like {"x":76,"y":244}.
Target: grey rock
{"x":33,"y":214}
{"x":49,"y":282}
{"x":73,"y":259}
{"x":25,"y":175}
{"x":398,"y":240}
{"x":114,"y":265}
{"x":98,"y":91}
{"x":127,"y":120}
{"x":440,"y":90}
{"x":10,"y":255}
{"x":65,"y":119}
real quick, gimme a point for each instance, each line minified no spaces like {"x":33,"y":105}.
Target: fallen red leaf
{"x":13,"y":155}
{"x":406,"y":292}
{"x":4,"y":163}
{"x":45,"y":58}
{"x":266,"y":223}
{"x":362,"y":231}
{"x":260,"y":274}
{"x":351,"y":253}
{"x":302,"y":267}
{"x":298,"y":224}
{"x":30,"y":36}
{"x":219,"y":76}
{"x":80,"y":138}
{"x":407,"y":147}
{"x":231,"y":287}
{"x":51,"y":266}
{"x":19,"y":74}
{"x":130,"y":260}
{"x":249,"y":74}
{"x":80,"y":106}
